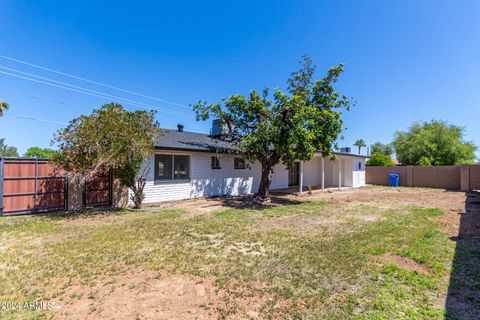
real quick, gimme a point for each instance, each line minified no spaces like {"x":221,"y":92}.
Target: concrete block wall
{"x":460,"y":177}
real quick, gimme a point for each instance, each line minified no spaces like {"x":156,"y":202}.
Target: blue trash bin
{"x":394,"y":179}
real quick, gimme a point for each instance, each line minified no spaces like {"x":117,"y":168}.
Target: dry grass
{"x":330,"y":255}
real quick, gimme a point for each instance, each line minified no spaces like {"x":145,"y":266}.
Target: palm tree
{"x":3,"y":107}
{"x":360,"y":143}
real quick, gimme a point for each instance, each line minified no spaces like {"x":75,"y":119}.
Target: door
{"x":293,"y":174}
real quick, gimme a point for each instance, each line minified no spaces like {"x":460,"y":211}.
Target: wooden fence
{"x":35,"y":186}
{"x":461,"y":177}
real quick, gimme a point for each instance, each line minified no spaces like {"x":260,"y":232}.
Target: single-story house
{"x":190,"y":165}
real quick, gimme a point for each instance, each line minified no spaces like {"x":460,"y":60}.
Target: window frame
{"x":244,"y":166}
{"x":213,"y":165}
{"x":171,"y":177}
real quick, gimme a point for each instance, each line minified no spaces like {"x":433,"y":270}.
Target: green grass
{"x":309,"y":271}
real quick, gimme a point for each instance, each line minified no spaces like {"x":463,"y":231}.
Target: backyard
{"x":375,"y":253}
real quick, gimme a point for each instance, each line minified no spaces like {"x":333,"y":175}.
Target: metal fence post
{"x":35,"y":190}
{"x":2,"y":173}
{"x":110,"y":188}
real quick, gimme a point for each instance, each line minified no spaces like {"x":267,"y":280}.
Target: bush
{"x":380,"y":159}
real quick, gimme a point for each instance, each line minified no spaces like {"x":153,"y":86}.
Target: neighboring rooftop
{"x":192,"y":141}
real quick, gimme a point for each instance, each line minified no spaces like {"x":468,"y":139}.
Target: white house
{"x":190,"y":165}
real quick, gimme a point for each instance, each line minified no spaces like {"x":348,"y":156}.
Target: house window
{"x":181,"y":166}
{"x":169,"y":167}
{"x":359,"y":166}
{"x":239,"y":163}
{"x":163,"y":167}
{"x":216,"y":162}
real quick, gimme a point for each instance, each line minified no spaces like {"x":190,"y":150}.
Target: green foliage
{"x":7,"y":151}
{"x":3,"y":107}
{"x":379,"y":147}
{"x":111,"y":138}
{"x":379,"y":159}
{"x":38,"y":152}
{"x":285,"y":126}
{"x":360,"y":143}
{"x":433,"y":143}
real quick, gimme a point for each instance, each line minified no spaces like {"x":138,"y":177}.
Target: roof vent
{"x":180,"y":127}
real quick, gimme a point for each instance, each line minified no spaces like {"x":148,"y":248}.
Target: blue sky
{"x":405,"y":60}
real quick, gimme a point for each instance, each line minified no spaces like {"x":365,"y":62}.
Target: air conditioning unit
{"x":346,"y":150}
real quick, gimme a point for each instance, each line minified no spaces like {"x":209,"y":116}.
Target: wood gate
{"x":31,"y":186}
{"x":98,"y":192}
{"x":35,"y":186}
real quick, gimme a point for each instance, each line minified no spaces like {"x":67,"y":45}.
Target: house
{"x":190,"y":165}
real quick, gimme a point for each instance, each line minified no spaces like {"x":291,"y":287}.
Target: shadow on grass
{"x":90,"y":212}
{"x":463,"y":300}
{"x":253,"y":203}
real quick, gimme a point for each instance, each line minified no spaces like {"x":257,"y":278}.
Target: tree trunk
{"x":264,"y":187}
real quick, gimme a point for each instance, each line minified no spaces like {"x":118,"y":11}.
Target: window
{"x":163,"y":167}
{"x":359,"y":166}
{"x":216,"y":162}
{"x":239,"y":163}
{"x":182,"y":167}
{"x":168,"y":167}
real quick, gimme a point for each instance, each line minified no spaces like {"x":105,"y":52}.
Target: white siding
{"x":358,"y":173}
{"x":205,"y":181}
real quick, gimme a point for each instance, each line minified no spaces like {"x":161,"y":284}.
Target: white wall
{"x":358,"y":172}
{"x":205,"y":181}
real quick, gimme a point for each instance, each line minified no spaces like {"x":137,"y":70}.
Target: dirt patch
{"x":143,"y":295}
{"x":155,"y":295}
{"x":405,"y":263}
{"x":383,"y":197}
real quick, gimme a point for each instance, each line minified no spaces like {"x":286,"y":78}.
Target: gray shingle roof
{"x":175,"y":140}
{"x":192,"y":141}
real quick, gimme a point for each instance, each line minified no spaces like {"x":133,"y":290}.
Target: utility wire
{"x":91,"y":93}
{"x":93,"y":82}
{"x":35,"y":119}
{"x":163,"y":123}
{"x":172,"y":126}
{"x":106,"y":95}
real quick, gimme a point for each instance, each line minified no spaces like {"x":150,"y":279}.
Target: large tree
{"x":360,"y":143}
{"x":37,"y":152}
{"x":433,"y":143}
{"x":111,"y":138}
{"x":285,"y":126}
{"x":7,"y":151}
{"x":381,"y":148}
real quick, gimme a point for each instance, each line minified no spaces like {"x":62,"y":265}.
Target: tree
{"x":7,"y":151}
{"x":285,"y":126}
{"x":380,"y":159}
{"x":37,"y":152}
{"x":111,"y":138}
{"x":3,"y":107}
{"x":360,"y":143}
{"x":379,"y":147}
{"x":433,"y":143}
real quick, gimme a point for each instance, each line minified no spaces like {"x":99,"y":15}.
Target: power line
{"x":93,"y":82}
{"x":92,"y":94}
{"x":105,"y":95}
{"x":36,"y":119}
{"x":170,"y":125}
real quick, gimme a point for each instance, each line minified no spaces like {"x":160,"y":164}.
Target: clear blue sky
{"x":405,"y":60}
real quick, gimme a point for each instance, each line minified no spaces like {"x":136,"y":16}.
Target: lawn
{"x":316,"y":258}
